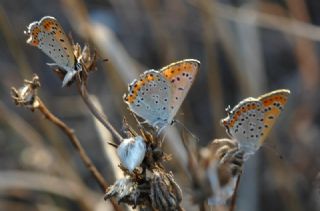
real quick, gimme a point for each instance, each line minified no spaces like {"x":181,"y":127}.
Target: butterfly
{"x":48,"y":35}
{"x":158,"y":94}
{"x":251,"y":120}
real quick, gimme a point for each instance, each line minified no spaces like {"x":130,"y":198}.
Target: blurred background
{"x":246,"y":48}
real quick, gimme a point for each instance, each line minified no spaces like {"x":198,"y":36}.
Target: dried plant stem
{"x":234,"y":196}
{"x":82,"y":86}
{"x":76,"y":143}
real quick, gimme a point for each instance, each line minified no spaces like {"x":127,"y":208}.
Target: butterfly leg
{"x":52,"y":64}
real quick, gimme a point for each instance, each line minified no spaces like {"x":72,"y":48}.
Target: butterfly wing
{"x":245,"y":124}
{"x":149,"y":97}
{"x":180,"y":76}
{"x":273,"y":103}
{"x":48,"y":35}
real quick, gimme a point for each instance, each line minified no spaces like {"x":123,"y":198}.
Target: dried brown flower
{"x":148,"y":185}
{"x":27,"y":94}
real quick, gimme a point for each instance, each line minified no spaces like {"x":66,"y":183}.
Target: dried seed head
{"x":220,"y":162}
{"x":27,"y":94}
{"x":131,"y":152}
{"x":86,"y":57}
{"x":147,"y":184}
{"x":124,"y":190}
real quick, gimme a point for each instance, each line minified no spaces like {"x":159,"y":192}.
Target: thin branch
{"x":82,"y":87}
{"x":76,"y":143}
{"x":110,"y":154}
{"x":27,"y":97}
{"x":234,"y":196}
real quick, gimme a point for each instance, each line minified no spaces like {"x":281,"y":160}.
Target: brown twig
{"x":234,"y":196}
{"x":76,"y":143}
{"x":27,"y":96}
{"x":82,"y":87}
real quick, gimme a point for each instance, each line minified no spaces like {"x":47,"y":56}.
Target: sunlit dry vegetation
{"x":84,"y":146}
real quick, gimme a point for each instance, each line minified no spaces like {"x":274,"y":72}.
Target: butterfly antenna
{"x":183,"y":126}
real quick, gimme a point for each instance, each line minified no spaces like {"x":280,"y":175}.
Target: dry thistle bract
{"x":124,"y":190}
{"x":27,"y":94}
{"x":165,"y":192}
{"x":151,"y":186}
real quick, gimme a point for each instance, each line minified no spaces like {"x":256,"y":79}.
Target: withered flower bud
{"x":27,"y":94}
